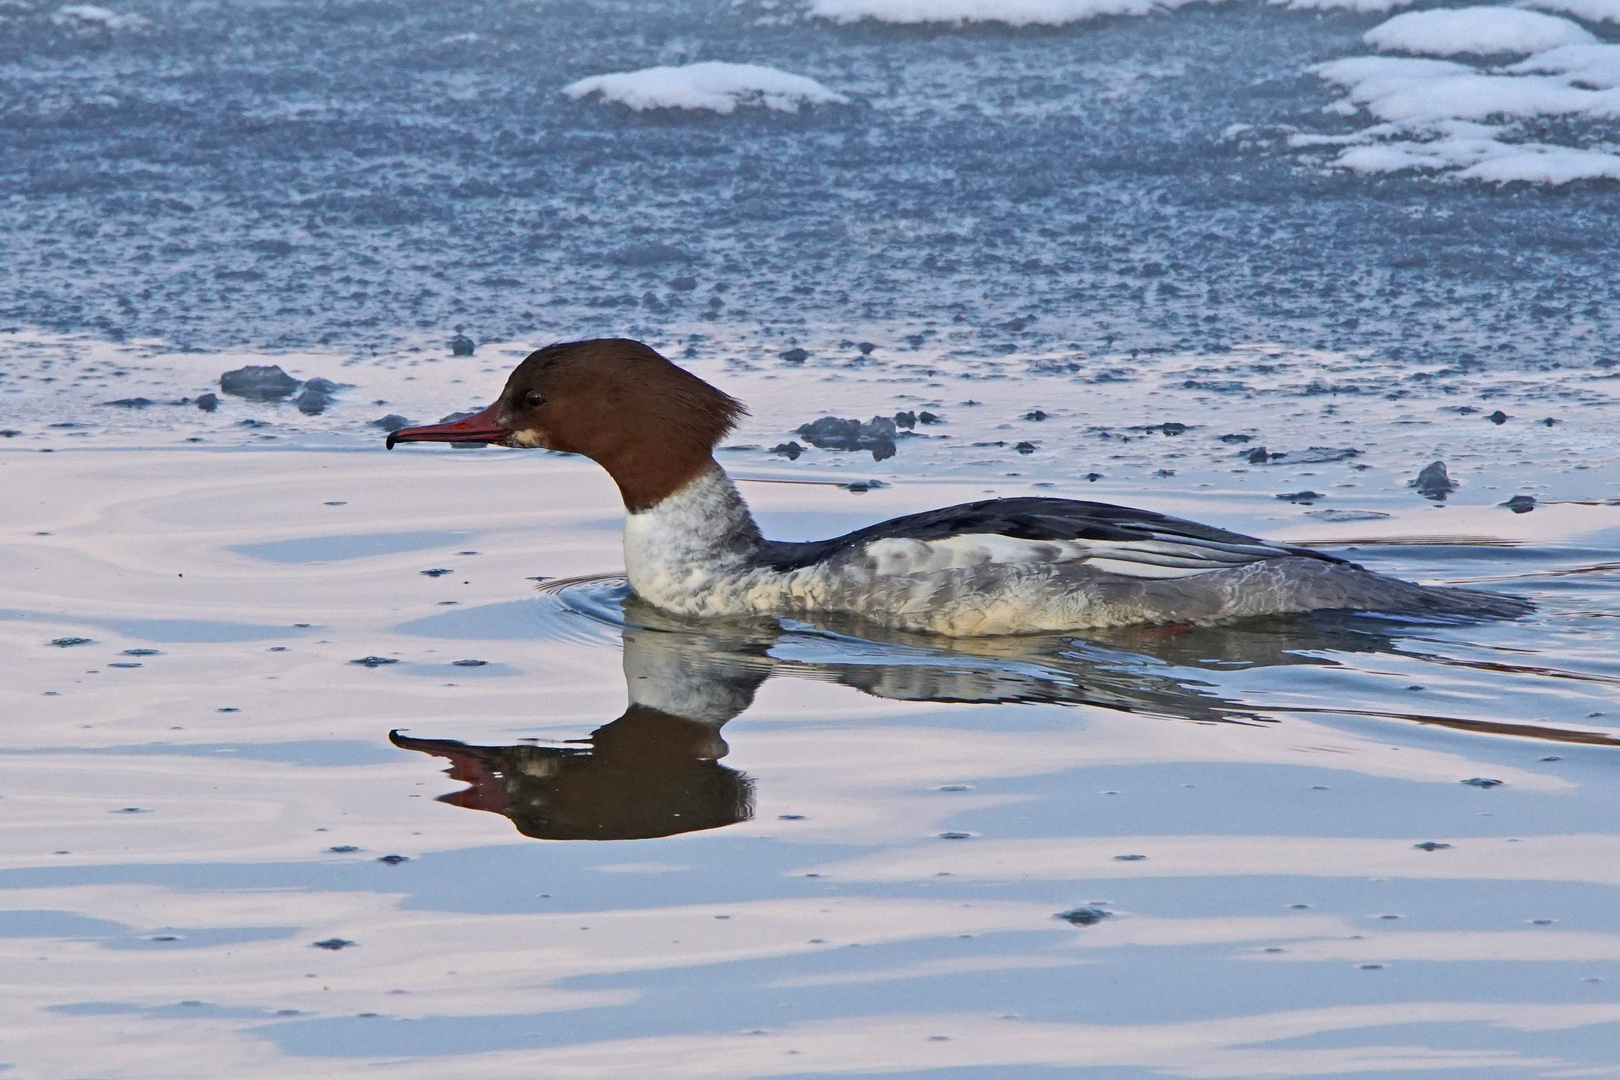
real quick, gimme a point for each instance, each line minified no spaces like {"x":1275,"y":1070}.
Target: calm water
{"x":364,"y":764}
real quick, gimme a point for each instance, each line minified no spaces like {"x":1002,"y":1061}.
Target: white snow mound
{"x":1590,"y":10}
{"x":1482,"y":31}
{"x":712,"y":85}
{"x":89,"y":16}
{"x":1011,"y":12}
{"x":1596,"y":66}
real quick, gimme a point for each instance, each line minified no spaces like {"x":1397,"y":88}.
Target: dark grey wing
{"x":1120,"y":534}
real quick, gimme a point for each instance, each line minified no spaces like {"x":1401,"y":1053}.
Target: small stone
{"x":1083,"y":916}
{"x":1433,"y":482}
{"x":1521,"y":504}
{"x":374,"y":661}
{"x":469,"y":663}
{"x":907,"y":420}
{"x":1036,"y":414}
{"x":1481,"y":782}
{"x":332,"y":944}
{"x":437,"y":571}
{"x":929,"y":418}
{"x":1430,"y":845}
{"x":342,"y":849}
{"x":1304,"y":498}
{"x":207,"y":402}
{"x":792,"y":356}
{"x":1129,"y":858}
{"x":461,"y":345}
{"x":955,"y":836}
{"x":866,"y":348}
{"x":1025,"y":448}
{"x":130,"y":403}
{"x":393,"y":860}
{"x":1499,"y":418}
{"x":790,"y":450}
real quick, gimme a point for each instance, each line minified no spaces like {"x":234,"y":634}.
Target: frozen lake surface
{"x":320,"y":760}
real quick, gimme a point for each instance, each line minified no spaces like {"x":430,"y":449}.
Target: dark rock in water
{"x":130,"y":402}
{"x":67,"y":642}
{"x":833,"y":433}
{"x":258,"y":382}
{"x":907,"y":420}
{"x":866,"y":348}
{"x":9,"y":433}
{"x":394,"y":860}
{"x":1499,"y":417}
{"x":1304,"y":498}
{"x":1521,"y":504}
{"x":437,"y":571}
{"x":685,"y":283}
{"x":251,"y":423}
{"x":1083,"y":916}
{"x":1549,"y":421}
{"x":391,"y":422}
{"x":860,"y":486}
{"x":469,"y":663}
{"x":1093,"y":477}
{"x":461,"y":345}
{"x":207,"y":402}
{"x":1036,"y":415}
{"x":141,"y":652}
{"x":333,"y":944}
{"x":929,"y":418}
{"x":789,"y":450}
{"x":1481,"y":782}
{"x":374,"y":661}
{"x":1258,"y":456}
{"x":1430,"y":845}
{"x":955,"y":836}
{"x":1433,"y":482}
{"x":342,"y":849}
{"x":313,"y":402}
{"x":792,"y":356}
{"x":1129,"y":858}
{"x":1025,"y":448}
{"x":1233,"y":439}
{"x":1173,"y":429}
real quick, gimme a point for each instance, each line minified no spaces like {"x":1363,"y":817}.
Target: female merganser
{"x":1000,"y":566}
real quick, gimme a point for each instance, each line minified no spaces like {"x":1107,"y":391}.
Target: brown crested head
{"x":653,"y":426}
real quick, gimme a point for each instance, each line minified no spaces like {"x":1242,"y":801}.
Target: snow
{"x":1483,"y":31}
{"x":1432,"y":114}
{"x":1596,"y":66}
{"x":86,"y":16}
{"x":713,"y":85}
{"x":1590,"y":10}
{"x":1011,"y":12}
{"x":1364,"y":7}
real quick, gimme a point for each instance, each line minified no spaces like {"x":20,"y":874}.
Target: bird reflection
{"x":656,"y":771}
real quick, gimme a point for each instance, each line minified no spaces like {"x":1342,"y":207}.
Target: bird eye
{"x":533,"y":399}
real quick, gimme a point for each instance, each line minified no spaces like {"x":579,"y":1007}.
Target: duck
{"x":1019,"y":565}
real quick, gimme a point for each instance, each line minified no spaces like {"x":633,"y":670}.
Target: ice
{"x":1483,"y":31}
{"x":714,"y":85}
{"x":1358,"y":6}
{"x":1590,"y":10}
{"x":1011,"y":12}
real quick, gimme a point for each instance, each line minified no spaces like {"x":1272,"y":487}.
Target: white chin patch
{"x":529,"y":440}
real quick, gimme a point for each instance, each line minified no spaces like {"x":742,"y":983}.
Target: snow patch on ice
{"x":1483,"y":31}
{"x":89,"y":16}
{"x":1590,"y":10}
{"x":1011,"y":12}
{"x":712,"y":85}
{"x":1467,"y":121}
